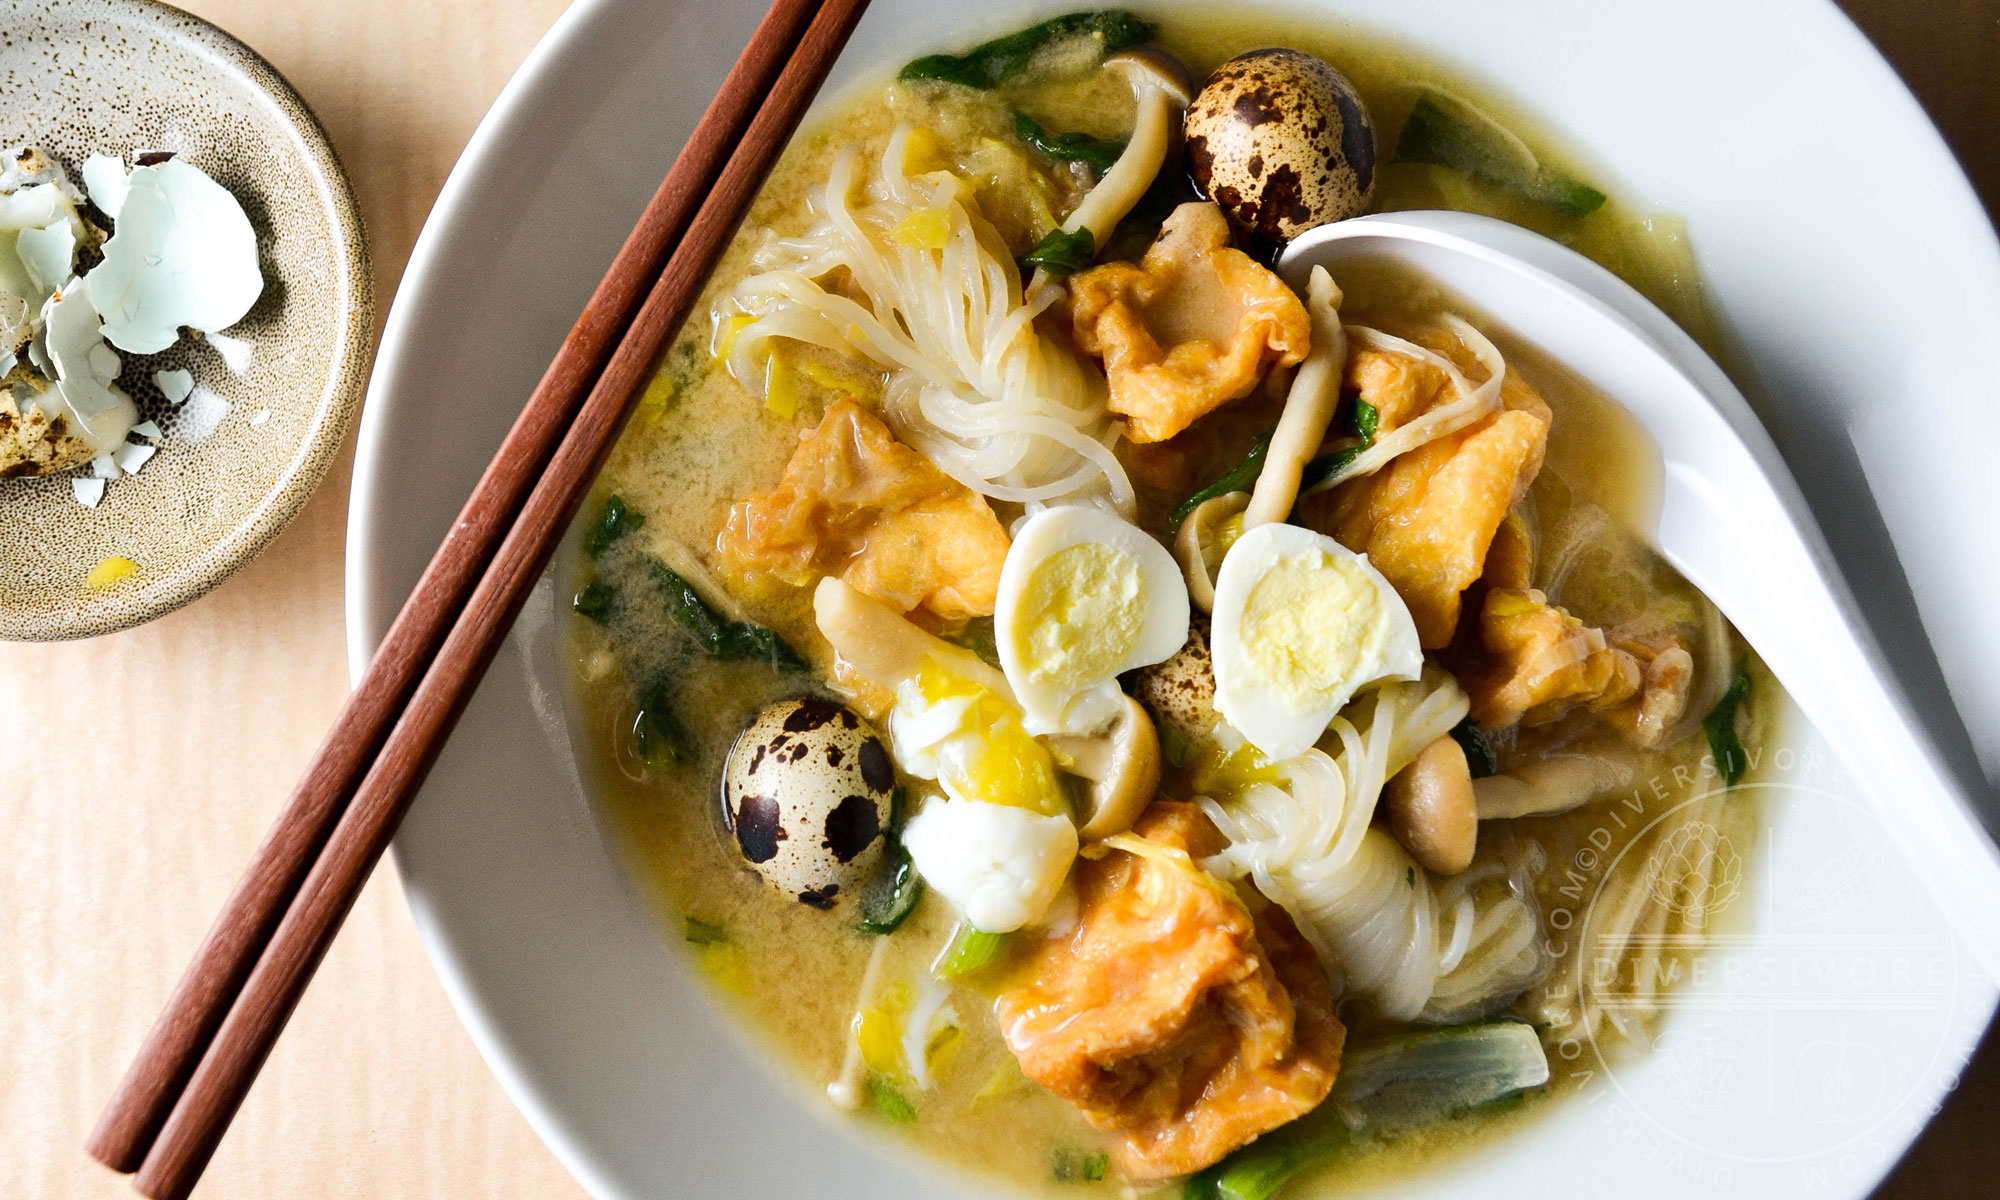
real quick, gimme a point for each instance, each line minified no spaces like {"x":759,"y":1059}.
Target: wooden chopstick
{"x":696,"y":195}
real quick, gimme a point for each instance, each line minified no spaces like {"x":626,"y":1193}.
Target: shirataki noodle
{"x":1422,"y":948}
{"x":996,"y":404}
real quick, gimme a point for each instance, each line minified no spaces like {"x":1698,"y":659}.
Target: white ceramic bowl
{"x":1856,"y":270}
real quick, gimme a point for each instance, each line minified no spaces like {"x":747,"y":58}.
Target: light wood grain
{"x":163,"y":1088}
{"x":115,"y":864}
{"x":111,"y":867}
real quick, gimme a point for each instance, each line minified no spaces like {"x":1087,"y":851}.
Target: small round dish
{"x":119,"y":76}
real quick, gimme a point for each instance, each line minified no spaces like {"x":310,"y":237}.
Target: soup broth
{"x":811,"y":986}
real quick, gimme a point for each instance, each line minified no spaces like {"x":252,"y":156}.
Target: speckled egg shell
{"x":806,"y":793}
{"x":1181,"y":691}
{"x":1282,"y":142}
{"x":238,"y":460}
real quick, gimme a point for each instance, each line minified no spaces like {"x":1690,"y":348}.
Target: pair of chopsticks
{"x":202,"y":1054}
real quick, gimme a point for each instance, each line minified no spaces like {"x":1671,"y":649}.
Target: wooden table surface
{"x":111,"y":869}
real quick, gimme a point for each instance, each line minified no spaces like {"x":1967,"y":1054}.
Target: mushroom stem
{"x":1152,"y":135}
{"x":882,"y":648}
{"x":1553,"y":785}
{"x":1309,"y":407}
{"x":1197,"y":537}
{"x":1160,"y":85}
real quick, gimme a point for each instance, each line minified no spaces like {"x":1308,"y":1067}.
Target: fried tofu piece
{"x":1190,"y":327}
{"x":1173,"y":1017}
{"x":1400,"y":387}
{"x":1541,"y":662}
{"x":1666,"y":672}
{"x":1427,"y":518}
{"x":856,"y":503}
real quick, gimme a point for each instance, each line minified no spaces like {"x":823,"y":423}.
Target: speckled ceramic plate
{"x":82,"y":76}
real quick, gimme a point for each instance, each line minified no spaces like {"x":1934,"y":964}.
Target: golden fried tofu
{"x":857,"y":503}
{"x":1541,"y":662}
{"x":1399,"y":386}
{"x":1170,"y":1015}
{"x":1427,"y":519}
{"x":1510,"y":556}
{"x":1666,"y":671}
{"x":1190,"y":327}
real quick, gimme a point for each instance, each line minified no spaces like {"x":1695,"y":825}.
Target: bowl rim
{"x":372,"y":600}
{"x":341,"y":395}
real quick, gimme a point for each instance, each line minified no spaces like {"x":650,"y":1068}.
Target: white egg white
{"x":1300,"y":624}
{"x":1084,"y":596}
{"x":999,"y":866}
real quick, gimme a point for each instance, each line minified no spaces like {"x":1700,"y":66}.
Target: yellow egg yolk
{"x":999,"y":761}
{"x":1080,"y":615}
{"x":110,"y":573}
{"x":1312,"y":625}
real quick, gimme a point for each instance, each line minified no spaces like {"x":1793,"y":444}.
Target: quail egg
{"x":1282,"y":142}
{"x":1084,"y":597}
{"x":806,"y":791}
{"x":1180,"y":692}
{"x":1301,"y":623}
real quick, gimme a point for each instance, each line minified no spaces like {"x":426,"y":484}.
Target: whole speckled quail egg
{"x":806,"y":792}
{"x":1282,"y":142}
{"x":1180,"y":692}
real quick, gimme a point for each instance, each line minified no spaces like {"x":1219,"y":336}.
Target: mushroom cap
{"x":806,"y":792}
{"x":1430,"y":808}
{"x":1282,"y":142}
{"x":1146,"y":66}
{"x":1122,"y":766}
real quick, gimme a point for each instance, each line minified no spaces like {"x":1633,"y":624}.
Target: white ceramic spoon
{"x":1732,"y":519}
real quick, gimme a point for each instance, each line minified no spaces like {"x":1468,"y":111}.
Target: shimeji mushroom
{"x":1549,"y":786}
{"x":1430,"y":809}
{"x":879,"y":646}
{"x":1122,"y":767}
{"x":1203,"y":540}
{"x":1309,"y":406}
{"x":1161,"y":86}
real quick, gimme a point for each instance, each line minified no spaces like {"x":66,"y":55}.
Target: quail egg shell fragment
{"x":83,"y":368}
{"x":806,"y":792}
{"x":1084,"y":596}
{"x":1300,"y":624}
{"x":183,"y":254}
{"x":39,"y":232}
{"x":105,"y":179}
{"x":175,"y":385}
{"x":25,"y":166}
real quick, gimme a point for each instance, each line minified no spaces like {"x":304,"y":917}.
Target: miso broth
{"x":701,"y":441}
